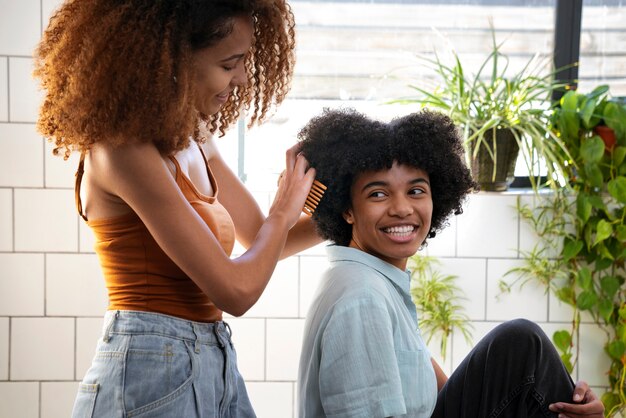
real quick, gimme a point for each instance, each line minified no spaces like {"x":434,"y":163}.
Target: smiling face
{"x":219,"y":69}
{"x":391,"y":212}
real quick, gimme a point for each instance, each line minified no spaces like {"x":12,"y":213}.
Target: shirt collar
{"x":400,"y":279}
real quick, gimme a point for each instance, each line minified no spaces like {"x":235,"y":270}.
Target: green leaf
{"x":592,"y":149}
{"x":616,"y":349}
{"x":594,"y":174}
{"x":588,"y":106}
{"x":586,"y":300}
{"x":603,"y":263}
{"x":597,"y":202}
{"x":605,"y":308}
{"x":619,"y":153}
{"x":621,"y":170}
{"x":610,"y":400}
{"x":588,"y":234}
{"x":566,"y":294}
{"x":617,"y":188}
{"x":571,"y":248}
{"x":566,"y":358}
{"x":562,"y":340}
{"x":621,"y":233}
{"x":604,"y":252}
{"x":583,"y":278}
{"x":599,"y":91}
{"x":615,"y":117}
{"x":568,"y":121}
{"x":583,"y":207}
{"x":620,"y":332}
{"x":622,"y":312}
{"x":609,"y":285}
{"x":604,"y":230}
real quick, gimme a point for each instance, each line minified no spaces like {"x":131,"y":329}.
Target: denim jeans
{"x":153,"y":365}
{"x":514,"y":372}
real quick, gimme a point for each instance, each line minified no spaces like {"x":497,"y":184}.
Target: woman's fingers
{"x":293,"y":185}
{"x":580,"y":391}
{"x":586,"y":404}
{"x":291,"y":156}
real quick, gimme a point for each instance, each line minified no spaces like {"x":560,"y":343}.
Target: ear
{"x":347,"y":215}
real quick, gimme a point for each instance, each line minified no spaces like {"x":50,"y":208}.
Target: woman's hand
{"x":586,"y":404}
{"x":293,"y":186}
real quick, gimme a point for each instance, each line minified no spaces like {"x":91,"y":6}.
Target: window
{"x":602,"y":40}
{"x":363,"y":53}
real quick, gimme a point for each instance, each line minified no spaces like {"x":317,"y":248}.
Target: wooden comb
{"x":313,"y":199}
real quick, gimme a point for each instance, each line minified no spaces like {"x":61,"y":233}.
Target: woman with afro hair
{"x":138,"y":88}
{"x":390,"y":188}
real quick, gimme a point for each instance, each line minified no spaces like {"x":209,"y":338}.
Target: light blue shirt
{"x":362,"y":353}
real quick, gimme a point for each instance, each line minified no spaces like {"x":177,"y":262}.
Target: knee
{"x":520,"y":335}
{"x":521,"y":326}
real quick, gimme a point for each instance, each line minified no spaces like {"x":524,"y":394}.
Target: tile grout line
{"x":75,"y":348}
{"x":45,"y":284}
{"x":8,"y":91}
{"x":9,"y":349}
{"x":299,"y":287}
{"x":45,"y":257}
{"x":265,"y":350}
{"x":40,"y":18}
{"x":13,"y":219}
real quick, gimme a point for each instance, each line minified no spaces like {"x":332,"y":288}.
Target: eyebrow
{"x":384,"y":183}
{"x":232,"y":57}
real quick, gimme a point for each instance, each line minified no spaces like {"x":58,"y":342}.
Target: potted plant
{"x":499,"y":114}
{"x":581,"y":253}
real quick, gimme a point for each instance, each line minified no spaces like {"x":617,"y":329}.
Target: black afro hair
{"x":341,"y":144}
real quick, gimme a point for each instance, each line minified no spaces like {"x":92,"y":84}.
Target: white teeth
{"x":399,"y":229}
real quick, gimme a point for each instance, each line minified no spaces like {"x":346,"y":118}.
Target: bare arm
{"x":441,"y":376}
{"x":302,"y":236}
{"x":245,"y":211}
{"x":138,"y":175}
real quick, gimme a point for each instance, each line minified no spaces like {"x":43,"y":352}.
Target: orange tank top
{"x":138,"y":274}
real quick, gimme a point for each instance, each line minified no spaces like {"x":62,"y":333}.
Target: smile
{"x":403,"y":231}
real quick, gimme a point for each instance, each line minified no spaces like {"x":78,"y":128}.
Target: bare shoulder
{"x":209,"y":146}
{"x":123,"y":156}
{"x":111,"y":172}
{"x":109,"y":163}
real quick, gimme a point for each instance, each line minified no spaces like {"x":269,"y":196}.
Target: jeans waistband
{"x":138,"y":322}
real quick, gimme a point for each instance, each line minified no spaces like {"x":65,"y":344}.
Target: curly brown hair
{"x":120,"y":70}
{"x":341,"y":144}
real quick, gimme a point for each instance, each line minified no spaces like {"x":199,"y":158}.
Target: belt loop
{"x":218,"y":337}
{"x":196,"y":345}
{"x":107,"y":332}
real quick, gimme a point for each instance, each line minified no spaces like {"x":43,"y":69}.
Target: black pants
{"x":514,"y":371}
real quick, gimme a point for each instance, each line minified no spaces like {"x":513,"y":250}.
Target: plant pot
{"x":496,"y":174}
{"x":608,"y":136}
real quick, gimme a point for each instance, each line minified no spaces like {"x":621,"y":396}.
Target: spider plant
{"x":438,"y":302}
{"x":491,"y":101}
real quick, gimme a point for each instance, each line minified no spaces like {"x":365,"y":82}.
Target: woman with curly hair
{"x":390,"y":187}
{"x":138,"y":88}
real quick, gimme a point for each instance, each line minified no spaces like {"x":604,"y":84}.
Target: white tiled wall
{"x":19,"y":399}
{"x":22,"y":90}
{"x":51,"y":290}
{"x":22,"y":284}
{"x":4,"y":89}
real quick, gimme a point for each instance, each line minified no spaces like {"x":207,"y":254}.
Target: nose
{"x":240,"y":76}
{"x":400,"y":206}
